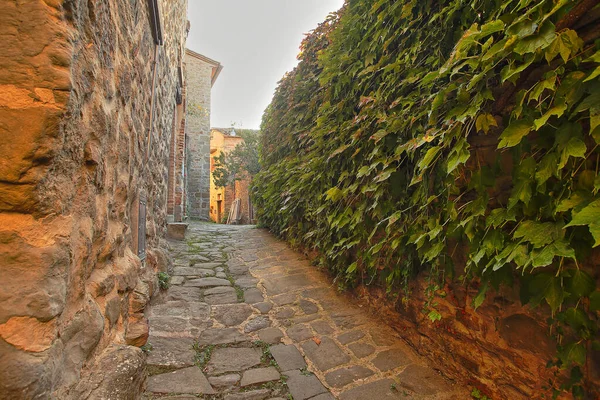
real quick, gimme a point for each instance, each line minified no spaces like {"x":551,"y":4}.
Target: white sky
{"x":257,"y":42}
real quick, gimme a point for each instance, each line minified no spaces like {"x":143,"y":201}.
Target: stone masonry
{"x":247,"y":318}
{"x":78,"y":154}
{"x":201,"y":73}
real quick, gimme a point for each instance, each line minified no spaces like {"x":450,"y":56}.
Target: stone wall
{"x":199,"y":82}
{"x":502,"y":348}
{"x":75,"y":109}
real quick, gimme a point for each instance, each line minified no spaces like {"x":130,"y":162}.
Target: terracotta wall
{"x":76,"y":84}
{"x":502,"y":348}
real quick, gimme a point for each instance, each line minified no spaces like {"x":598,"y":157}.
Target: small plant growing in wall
{"x":163,"y":280}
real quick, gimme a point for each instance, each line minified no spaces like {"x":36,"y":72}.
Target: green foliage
{"x":239,"y":163}
{"x":163,"y":280}
{"x":411,"y":129}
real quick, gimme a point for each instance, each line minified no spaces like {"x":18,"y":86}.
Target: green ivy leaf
{"x":514,"y":133}
{"x":573,"y":201}
{"x":546,"y":168}
{"x":484,"y":122}
{"x":429,"y":157}
{"x":590,"y":216}
{"x":459,"y":155}
{"x":543,"y":39}
{"x":334,"y":194}
{"x":573,"y":352}
{"x":556,"y":110}
{"x":580,"y":284}
{"x":538,"y":234}
{"x":575,"y":148}
{"x":478,"y":300}
{"x":565,"y":44}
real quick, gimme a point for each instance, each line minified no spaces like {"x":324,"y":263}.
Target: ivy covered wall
{"x":450,"y":141}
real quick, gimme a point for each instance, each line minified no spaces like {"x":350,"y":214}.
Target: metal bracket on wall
{"x":142,"y":227}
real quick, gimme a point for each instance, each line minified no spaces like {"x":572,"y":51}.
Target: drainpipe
{"x":150,"y":128}
{"x":156,"y":26}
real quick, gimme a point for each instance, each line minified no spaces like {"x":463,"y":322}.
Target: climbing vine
{"x":414,"y":129}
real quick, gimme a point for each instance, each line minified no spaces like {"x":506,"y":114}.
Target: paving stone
{"x":260,"y":394}
{"x":325,"y":356}
{"x":423,"y":380}
{"x":207,"y":265}
{"x":259,"y":375}
{"x":170,"y":352}
{"x":192,"y":271}
{"x":361,"y":350}
{"x":270,"y":335}
{"x":177,"y":326}
{"x":303,"y":386}
{"x":253,"y":296}
{"x":285,"y":299}
{"x":187,"y":380}
{"x":258,"y":323}
{"x":219,"y":269}
{"x":375,"y":390}
{"x":299,"y":333}
{"x":288,"y":357}
{"x":286,"y":283}
{"x":207,"y":282}
{"x":221,"y":336}
{"x":198,"y":259}
{"x":383,"y":337}
{"x":224,"y":381}
{"x":182,"y":293}
{"x":219,"y":290}
{"x":222,"y":298}
{"x":390,"y":359}
{"x":231,"y":359}
{"x":348,"y":321}
{"x":181,"y":309}
{"x":231,"y":314}
{"x":238,"y":269}
{"x":308,"y":306}
{"x":349,"y":337}
{"x":285,"y":313}
{"x":322,"y":327}
{"x":221,"y":275}
{"x":305,"y":318}
{"x":246,"y":282}
{"x":343,"y":376}
{"x":264,"y":307}
{"x":177,"y":280}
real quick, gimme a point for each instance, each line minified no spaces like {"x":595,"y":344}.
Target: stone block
{"x":288,"y":357}
{"x":325,"y":356}
{"x":230,"y":359}
{"x":187,"y":380}
{"x":304,"y":386}
{"x":259,"y":375}
{"x":176,"y":230}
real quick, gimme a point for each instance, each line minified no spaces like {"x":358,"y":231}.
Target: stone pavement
{"x":246,"y":318}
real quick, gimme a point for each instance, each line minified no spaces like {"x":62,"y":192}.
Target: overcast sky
{"x":257,"y":42}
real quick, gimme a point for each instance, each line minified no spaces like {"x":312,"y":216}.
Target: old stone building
{"x":202,"y":72}
{"x":89,"y":94}
{"x":224,"y":140}
{"x":186,"y":194}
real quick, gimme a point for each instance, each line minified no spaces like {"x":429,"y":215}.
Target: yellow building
{"x":224,"y":140}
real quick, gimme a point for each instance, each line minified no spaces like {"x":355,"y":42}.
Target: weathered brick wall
{"x":198,"y":80}
{"x":76,"y":84}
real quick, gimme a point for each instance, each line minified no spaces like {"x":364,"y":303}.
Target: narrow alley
{"x":246,"y":318}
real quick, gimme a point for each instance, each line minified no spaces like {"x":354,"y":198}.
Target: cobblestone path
{"x":246,"y":318}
